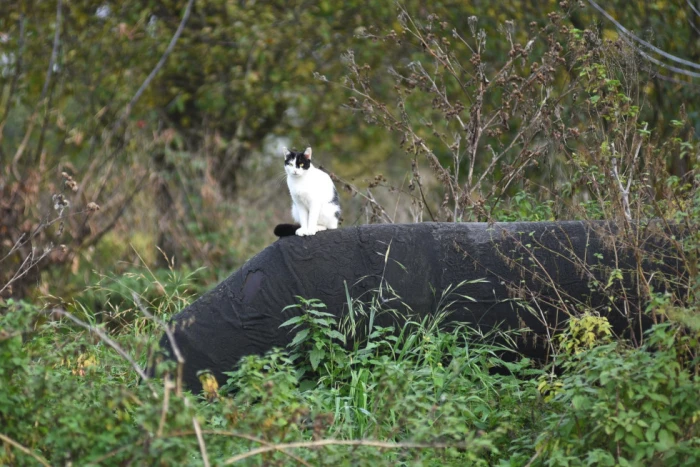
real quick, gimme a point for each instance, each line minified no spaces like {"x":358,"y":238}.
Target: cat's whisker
{"x":280,"y":177}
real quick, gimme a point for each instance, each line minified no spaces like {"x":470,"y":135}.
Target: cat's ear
{"x":307,"y":154}
{"x":286,"y":152}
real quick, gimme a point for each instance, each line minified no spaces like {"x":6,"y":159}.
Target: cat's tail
{"x":285,"y":230}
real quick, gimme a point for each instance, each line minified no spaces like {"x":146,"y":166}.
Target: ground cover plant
{"x":473,"y":114}
{"x":419,"y":396}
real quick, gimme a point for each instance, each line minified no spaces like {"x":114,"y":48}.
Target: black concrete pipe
{"x":550,"y":267}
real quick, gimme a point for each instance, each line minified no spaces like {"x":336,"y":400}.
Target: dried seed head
{"x":472,"y":24}
{"x":60,"y":202}
{"x":93,"y":207}
{"x":72,"y":184}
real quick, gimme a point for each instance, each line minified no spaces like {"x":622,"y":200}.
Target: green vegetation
{"x":123,"y":197}
{"x":415,"y":395}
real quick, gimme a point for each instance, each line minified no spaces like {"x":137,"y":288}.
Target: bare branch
{"x":651,"y":47}
{"x":158,"y":66}
{"x":54,"y":50}
{"x":200,"y":438}
{"x":624,"y":193}
{"x":14,"y":443}
{"x":107,"y":340}
{"x":15,"y":76}
{"x":168,"y":332}
{"x":343,"y":442}
{"x":46,"y":97}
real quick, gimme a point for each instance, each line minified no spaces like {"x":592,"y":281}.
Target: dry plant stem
{"x":200,"y":438}
{"x":107,"y":340}
{"x":47,"y":90}
{"x":633,"y":38}
{"x":168,"y":332}
{"x":624,"y":194}
{"x":550,"y":341}
{"x":167,"y":385}
{"x":33,"y":261}
{"x":125,"y":204}
{"x":158,"y":66}
{"x":26,"y":266}
{"x":24,"y":239}
{"x":23,"y":145}
{"x":14,"y":443}
{"x":343,"y":442}
{"x":15,"y":76}
{"x":246,"y":437}
{"x":181,"y":434}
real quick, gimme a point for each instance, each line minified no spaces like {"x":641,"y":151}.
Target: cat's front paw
{"x":305,"y":232}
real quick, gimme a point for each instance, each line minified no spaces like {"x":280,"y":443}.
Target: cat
{"x":315,"y":203}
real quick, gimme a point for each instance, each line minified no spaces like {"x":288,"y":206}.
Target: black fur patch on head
{"x":297,"y":160}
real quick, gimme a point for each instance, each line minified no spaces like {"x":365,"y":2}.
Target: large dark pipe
{"x":534,"y":273}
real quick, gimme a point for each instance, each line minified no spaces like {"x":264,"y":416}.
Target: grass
{"x":342,"y":393}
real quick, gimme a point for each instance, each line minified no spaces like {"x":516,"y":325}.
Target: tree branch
{"x":14,"y":443}
{"x":107,"y":340}
{"x":342,"y":442}
{"x":158,"y":66}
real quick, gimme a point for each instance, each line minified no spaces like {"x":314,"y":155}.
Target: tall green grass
{"x":346,"y":392}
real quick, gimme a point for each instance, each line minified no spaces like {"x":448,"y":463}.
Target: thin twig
{"x":158,"y":66}
{"x":24,"y":268}
{"x":625,"y":194}
{"x":15,"y":76}
{"x":14,"y":443}
{"x":342,"y":442}
{"x":168,"y":332}
{"x":167,"y":385}
{"x":198,"y":433}
{"x":96,"y":238}
{"x":54,"y":50}
{"x":646,"y":44}
{"x":181,"y":434}
{"x":107,"y":340}
{"x":47,"y":90}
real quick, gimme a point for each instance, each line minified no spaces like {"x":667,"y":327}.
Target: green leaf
{"x":659,"y":398}
{"x":336,"y":335}
{"x":289,"y":322}
{"x":666,"y":440}
{"x":673,"y":427}
{"x":580,"y":402}
{"x":299,"y":338}
{"x":315,"y":357}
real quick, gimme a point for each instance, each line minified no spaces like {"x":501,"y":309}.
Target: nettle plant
{"x":553,"y":130}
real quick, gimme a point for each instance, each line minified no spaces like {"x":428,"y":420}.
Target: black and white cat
{"x":315,"y":203}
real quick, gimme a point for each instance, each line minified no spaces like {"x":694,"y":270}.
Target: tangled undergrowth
{"x":408,"y":394}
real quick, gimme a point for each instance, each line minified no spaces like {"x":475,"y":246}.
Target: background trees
{"x":127,"y":186}
{"x":191,"y":167}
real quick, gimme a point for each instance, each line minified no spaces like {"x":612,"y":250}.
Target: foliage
{"x":188,"y":165}
{"x":420,"y":396}
{"x":621,"y":406}
{"x":473,"y":111}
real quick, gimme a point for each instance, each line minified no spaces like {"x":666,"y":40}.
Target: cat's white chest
{"x":306,"y":189}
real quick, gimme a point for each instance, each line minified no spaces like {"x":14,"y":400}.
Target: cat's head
{"x":296,"y":163}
